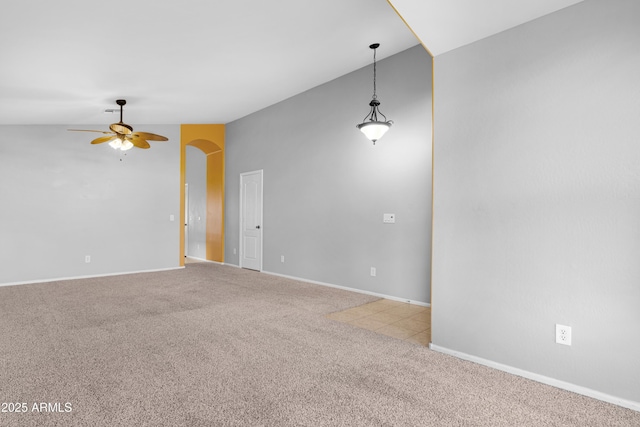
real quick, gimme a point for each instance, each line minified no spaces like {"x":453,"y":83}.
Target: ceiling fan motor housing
{"x":121,"y":128}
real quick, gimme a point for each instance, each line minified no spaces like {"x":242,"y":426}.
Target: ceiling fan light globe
{"x":374,"y":130}
{"x":126,"y":145}
{"x":115,"y":143}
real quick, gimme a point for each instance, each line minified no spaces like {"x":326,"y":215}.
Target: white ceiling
{"x":444,"y":25}
{"x":207,"y":61}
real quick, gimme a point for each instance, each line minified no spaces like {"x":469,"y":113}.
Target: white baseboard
{"x":540,"y":378}
{"x":231,"y":265}
{"x":57,"y":279}
{"x":360,"y":291}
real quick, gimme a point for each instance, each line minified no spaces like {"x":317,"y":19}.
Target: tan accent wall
{"x":210,"y":139}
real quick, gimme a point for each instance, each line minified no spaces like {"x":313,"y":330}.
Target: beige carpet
{"x":213,"y":346}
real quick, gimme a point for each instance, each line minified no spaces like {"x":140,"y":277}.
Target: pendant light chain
{"x":374,"y":74}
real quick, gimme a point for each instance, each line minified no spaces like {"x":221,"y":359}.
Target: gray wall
{"x":326,"y":186}
{"x":63,"y":198}
{"x":537,"y":197}
{"x":196,"y":177}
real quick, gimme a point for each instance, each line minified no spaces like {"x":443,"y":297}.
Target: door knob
{"x":257,"y":226}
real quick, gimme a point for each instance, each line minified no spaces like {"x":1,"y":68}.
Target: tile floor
{"x":393,"y":318}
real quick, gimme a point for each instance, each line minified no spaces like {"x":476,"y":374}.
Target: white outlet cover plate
{"x":563,"y":334}
{"x":389,"y":218}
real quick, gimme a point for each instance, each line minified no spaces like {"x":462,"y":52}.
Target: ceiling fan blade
{"x":87,"y":130}
{"x":137,"y":141}
{"x":102,"y":139}
{"x":149,"y":136}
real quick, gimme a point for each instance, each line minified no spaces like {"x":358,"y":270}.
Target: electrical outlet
{"x":563,"y":334}
{"x":373,"y":271}
{"x":282,"y":258}
{"x":87,"y":259}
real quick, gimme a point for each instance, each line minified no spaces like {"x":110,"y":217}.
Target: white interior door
{"x":251,"y":220}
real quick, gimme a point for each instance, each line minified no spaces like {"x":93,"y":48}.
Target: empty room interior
{"x":199,"y":228}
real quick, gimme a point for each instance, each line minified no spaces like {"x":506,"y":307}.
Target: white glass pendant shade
{"x":374,"y":130}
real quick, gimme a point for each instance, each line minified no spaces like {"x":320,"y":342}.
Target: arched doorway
{"x":210,"y":140}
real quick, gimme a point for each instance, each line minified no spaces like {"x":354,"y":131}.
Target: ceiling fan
{"x":122,"y":136}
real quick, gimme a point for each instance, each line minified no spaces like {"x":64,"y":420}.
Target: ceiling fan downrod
{"x":120,"y":127}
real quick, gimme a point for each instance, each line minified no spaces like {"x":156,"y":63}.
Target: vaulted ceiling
{"x":204,"y":61}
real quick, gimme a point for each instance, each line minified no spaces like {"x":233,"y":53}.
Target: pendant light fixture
{"x":371,"y":126}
